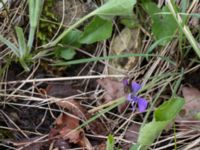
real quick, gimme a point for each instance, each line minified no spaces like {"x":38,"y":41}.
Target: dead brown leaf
{"x":60,"y":90}
{"x":65,"y":125}
{"x":192,"y":98}
{"x":76,"y":109}
{"x":114,"y":90}
{"x":186,"y":120}
{"x":128,"y":41}
{"x":67,"y":130}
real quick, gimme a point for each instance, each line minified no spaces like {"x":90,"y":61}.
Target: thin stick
{"x":63,"y":79}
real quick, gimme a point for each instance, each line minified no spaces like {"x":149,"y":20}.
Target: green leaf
{"x":115,"y":8}
{"x":97,"y":30}
{"x":169,"y":109}
{"x":151,"y":8}
{"x":130,"y":21}
{"x":135,"y":147}
{"x":86,"y":60}
{"x":150,"y":132}
{"x":163,"y":25}
{"x":164,"y":114}
{"x":197,"y":116}
{"x":66,"y":53}
{"x":72,"y":38}
{"x":110,"y":143}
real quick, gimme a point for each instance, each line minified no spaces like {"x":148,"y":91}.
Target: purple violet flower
{"x":134,"y":99}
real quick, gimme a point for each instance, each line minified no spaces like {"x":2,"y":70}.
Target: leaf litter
{"x":192,"y":107}
{"x":77,"y":110}
{"x":66,"y":128}
{"x":66,"y":134}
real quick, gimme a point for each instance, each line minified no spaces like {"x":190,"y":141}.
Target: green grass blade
{"x":32,"y":22}
{"x":10,"y":45}
{"x":31,"y":4}
{"x":119,"y":101}
{"x":21,"y":42}
{"x":38,"y":10}
{"x":177,"y":83}
{"x":157,"y":43}
{"x":86,"y":60}
{"x":184,"y":28}
{"x":35,"y":8}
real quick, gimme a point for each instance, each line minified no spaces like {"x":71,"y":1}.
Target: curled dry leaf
{"x":66,"y":129}
{"x":192,"y":107}
{"x":76,"y":109}
{"x":66,"y":125}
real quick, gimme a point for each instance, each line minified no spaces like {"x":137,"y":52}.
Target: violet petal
{"x":129,"y":97}
{"x":142,"y":104}
{"x":135,"y":99}
{"x":135,"y":87}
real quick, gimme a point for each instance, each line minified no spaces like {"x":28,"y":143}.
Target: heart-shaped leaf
{"x":164,"y":114}
{"x":115,"y":8}
{"x":97,"y":30}
{"x":163,"y":24}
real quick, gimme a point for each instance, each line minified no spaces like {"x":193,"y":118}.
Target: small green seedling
{"x":99,"y":29}
{"x":110,"y":144}
{"x":107,"y":11}
{"x":23,"y":49}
